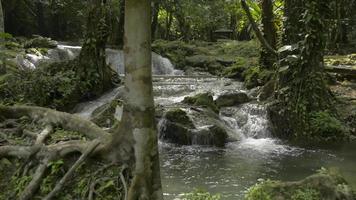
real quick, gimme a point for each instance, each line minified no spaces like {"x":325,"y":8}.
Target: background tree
{"x":269,"y":30}
{"x":2,"y":28}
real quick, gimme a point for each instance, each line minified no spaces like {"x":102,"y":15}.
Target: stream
{"x":251,"y":156}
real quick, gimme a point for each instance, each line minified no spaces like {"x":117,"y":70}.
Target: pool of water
{"x":230,"y":171}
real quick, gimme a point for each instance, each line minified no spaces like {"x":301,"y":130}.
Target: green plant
{"x":306,"y":194}
{"x":200,"y":195}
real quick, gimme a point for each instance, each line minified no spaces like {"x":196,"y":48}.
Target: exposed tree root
{"x":81,"y":159}
{"x":46,"y":153}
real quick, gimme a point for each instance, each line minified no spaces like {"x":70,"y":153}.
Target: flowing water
{"x":253,"y":154}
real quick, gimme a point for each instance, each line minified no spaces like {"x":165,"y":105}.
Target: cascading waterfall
{"x":115,"y":58}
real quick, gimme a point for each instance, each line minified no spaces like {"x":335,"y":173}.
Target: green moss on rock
{"x":325,"y":185}
{"x":231,"y":99}
{"x":203,"y":99}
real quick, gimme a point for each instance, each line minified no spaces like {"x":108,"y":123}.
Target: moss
{"x":40,"y":42}
{"x":327,"y":127}
{"x":256,"y":76}
{"x":322,"y":185}
{"x":207,"y":56}
{"x":179,"y":116}
{"x":200,"y":195}
{"x":203,"y":99}
{"x":64,"y":135}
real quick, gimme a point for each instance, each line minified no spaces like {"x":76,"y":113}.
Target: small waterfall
{"x":115,"y":58}
{"x":160,"y":65}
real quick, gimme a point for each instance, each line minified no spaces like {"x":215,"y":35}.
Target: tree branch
{"x":256,"y":29}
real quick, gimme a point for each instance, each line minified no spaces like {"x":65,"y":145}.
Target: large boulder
{"x":231,"y":99}
{"x":177,"y":127}
{"x":325,"y":185}
{"x":203,"y":99}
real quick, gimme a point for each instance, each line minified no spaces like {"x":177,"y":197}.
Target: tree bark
{"x":269,"y":32}
{"x":257,"y":31}
{"x":2,"y":27}
{"x":138,"y":118}
{"x":155,"y":9}
{"x":121,"y":23}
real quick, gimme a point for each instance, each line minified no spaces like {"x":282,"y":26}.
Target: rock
{"x":267,"y":90}
{"x":211,"y":135}
{"x":205,"y":63}
{"x":325,"y":185}
{"x":41,"y":42}
{"x":104,"y":116}
{"x":203,"y":99}
{"x":177,"y":127}
{"x":180,"y":117}
{"x":231,"y":99}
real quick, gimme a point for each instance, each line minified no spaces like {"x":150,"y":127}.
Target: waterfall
{"x":114,"y":58}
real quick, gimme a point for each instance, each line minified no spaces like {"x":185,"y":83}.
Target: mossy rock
{"x":256,"y":76}
{"x":104,"y":116}
{"x":203,"y":99}
{"x":177,"y":128}
{"x":231,"y":99}
{"x":41,"y":42}
{"x":213,"y":135}
{"x":325,"y":185}
{"x":179,"y":116}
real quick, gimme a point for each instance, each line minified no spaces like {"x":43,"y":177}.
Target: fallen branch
{"x":64,"y":179}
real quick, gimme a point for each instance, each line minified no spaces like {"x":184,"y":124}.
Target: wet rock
{"x":177,"y":127}
{"x":325,"y":185}
{"x":231,"y":99}
{"x":205,"y":63}
{"x":211,"y":135}
{"x":180,"y":117}
{"x":203,"y":99}
{"x":41,"y":42}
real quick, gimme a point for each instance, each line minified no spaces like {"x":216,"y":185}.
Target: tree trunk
{"x":169,"y":20}
{"x":40,"y":18}
{"x":156,"y":6}
{"x":267,"y":59}
{"x":139,"y":108}
{"x":293,"y":27}
{"x":92,"y":66}
{"x":303,"y":93}
{"x":2,"y":27}
{"x":121,"y":23}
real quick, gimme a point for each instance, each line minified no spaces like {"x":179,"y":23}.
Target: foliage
{"x":324,"y":125}
{"x":257,"y":192}
{"x":200,"y":195}
{"x":43,"y":86}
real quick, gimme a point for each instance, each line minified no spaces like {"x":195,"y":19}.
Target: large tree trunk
{"x":267,"y":59}
{"x":2,"y":28}
{"x":138,"y":118}
{"x":303,"y":93}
